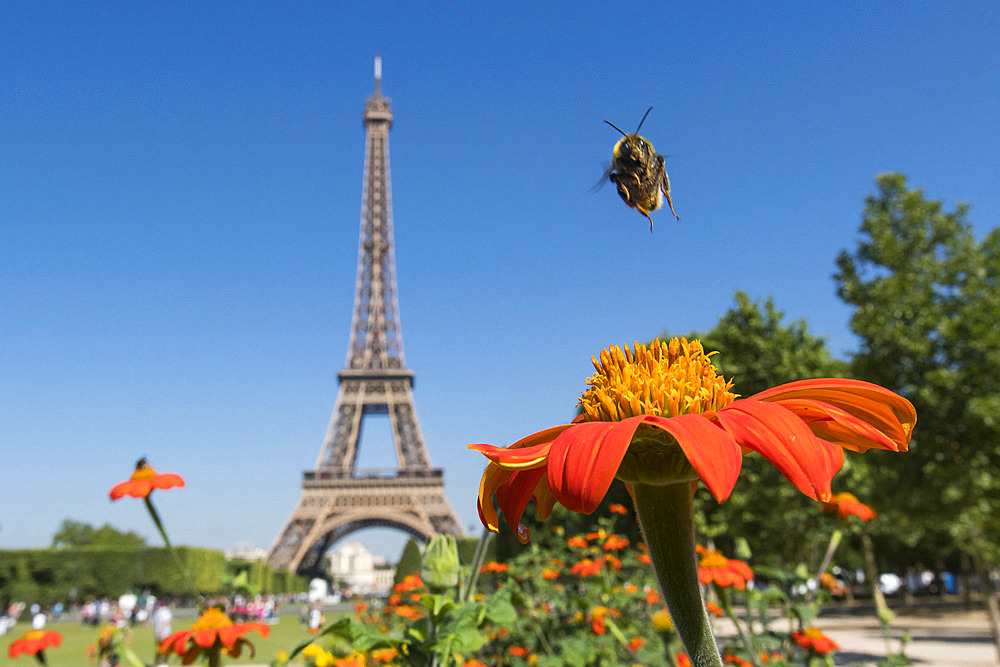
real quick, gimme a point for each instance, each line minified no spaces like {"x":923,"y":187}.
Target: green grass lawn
{"x":284,"y":636}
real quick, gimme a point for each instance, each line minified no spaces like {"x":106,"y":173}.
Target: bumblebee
{"x":638,"y":172}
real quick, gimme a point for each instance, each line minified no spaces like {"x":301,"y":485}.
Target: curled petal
{"x":838,"y":426}
{"x":514,"y":495}
{"x":885,"y":410}
{"x":783,"y":439}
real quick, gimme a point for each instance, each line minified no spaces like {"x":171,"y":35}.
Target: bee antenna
{"x":641,"y":121}
{"x":616,"y":127}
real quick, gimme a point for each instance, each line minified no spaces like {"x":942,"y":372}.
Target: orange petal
{"x":838,"y":426}
{"x":493,"y":478}
{"x":584,"y":459}
{"x":783,"y":439}
{"x":887,"y":411}
{"x":514,"y":495}
{"x":522,"y":458}
{"x":712,"y":452}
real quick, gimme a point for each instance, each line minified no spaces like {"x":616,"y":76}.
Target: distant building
{"x":363,"y":572}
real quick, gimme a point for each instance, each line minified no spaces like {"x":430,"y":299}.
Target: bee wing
{"x":604,"y":179}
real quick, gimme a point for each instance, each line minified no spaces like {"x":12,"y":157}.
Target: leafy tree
{"x":927,"y":303}
{"x":759,"y":351}
{"x":78,"y":534}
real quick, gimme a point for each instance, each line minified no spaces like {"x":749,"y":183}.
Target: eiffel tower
{"x":338,"y":498}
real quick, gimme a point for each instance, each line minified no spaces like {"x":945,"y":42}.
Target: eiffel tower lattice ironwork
{"x":337,"y":498}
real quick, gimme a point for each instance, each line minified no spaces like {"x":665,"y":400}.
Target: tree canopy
{"x":927,"y":304}
{"x":73,"y":534}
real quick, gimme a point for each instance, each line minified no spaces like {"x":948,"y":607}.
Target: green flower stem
{"x":163,"y":533}
{"x":827,"y":557}
{"x":665,"y":515}
{"x":748,"y":640}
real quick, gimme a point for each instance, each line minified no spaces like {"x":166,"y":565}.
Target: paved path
{"x":955,"y":639}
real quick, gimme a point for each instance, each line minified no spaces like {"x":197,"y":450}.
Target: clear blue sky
{"x":180,"y":189}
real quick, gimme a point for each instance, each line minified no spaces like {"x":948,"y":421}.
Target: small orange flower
{"x":635,"y":644}
{"x":652,"y":597}
{"x":550,"y":574}
{"x":144,"y":480}
{"x":725,"y":572}
{"x":615,"y":542}
{"x":736,"y":660}
{"x":714,"y":609}
{"x":384,"y":655}
{"x":520,"y":651}
{"x":766,"y":658}
{"x":814,"y":641}
{"x":644,"y":558}
{"x":598,"y":626}
{"x":577,"y":541}
{"x":494,"y":566}
{"x":615,"y":508}
{"x":408,"y":583}
{"x":683,"y":660}
{"x":406,"y":611}
{"x":587,"y":567}
{"x":34,"y":642}
{"x":212,"y":631}
{"x":847,"y":504}
{"x":613,"y":563}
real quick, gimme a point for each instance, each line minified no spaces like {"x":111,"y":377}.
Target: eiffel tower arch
{"x":337,"y":497}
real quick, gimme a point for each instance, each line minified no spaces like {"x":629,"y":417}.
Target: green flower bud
{"x":439,"y":568}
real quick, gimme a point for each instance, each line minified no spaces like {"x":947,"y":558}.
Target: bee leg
{"x":665,"y":189}
{"x":646,"y":213}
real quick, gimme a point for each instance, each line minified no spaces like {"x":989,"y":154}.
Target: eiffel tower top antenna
{"x":378,"y":75}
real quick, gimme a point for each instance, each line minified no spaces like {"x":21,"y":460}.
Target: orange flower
{"x":406,"y":611}
{"x":213,"y":631}
{"x":408,"y":583}
{"x":587,"y":567}
{"x":577,"y":541}
{"x":652,"y":597}
{"x":714,"y":609}
{"x":616,"y":508}
{"x":384,"y":655}
{"x":635,"y":644}
{"x":598,"y":626}
{"x":683,"y":660}
{"x":644,"y":558}
{"x":662,"y":414}
{"x":520,"y":650}
{"x":847,"y":504}
{"x":548,"y":573}
{"x":814,"y":641}
{"x":615,"y":542}
{"x":736,"y":660}
{"x":725,"y":572}
{"x":144,"y":480}
{"x":613,"y":563}
{"x":34,"y":642}
{"x":494,"y":566}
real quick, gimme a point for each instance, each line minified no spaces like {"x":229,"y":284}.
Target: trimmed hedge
{"x":51,"y":575}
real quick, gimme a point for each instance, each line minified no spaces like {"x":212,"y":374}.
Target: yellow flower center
{"x":34,"y":634}
{"x":145,"y":472}
{"x":813,"y":633}
{"x":713,"y":560}
{"x":212,"y":619}
{"x":845,"y":497}
{"x":664,"y":379}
